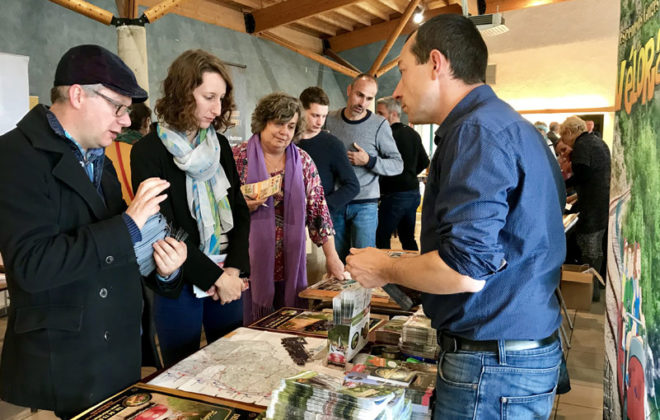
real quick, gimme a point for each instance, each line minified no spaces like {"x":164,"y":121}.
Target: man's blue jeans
{"x":398,"y":211}
{"x":484,"y":385}
{"x":355,"y":226}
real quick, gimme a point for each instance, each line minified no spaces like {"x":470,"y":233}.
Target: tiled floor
{"x":585,"y":360}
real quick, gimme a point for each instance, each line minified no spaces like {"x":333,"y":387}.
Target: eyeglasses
{"x":120,"y":110}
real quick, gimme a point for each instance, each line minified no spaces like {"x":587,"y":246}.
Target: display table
{"x":245,"y":366}
{"x":325,"y":290}
{"x":146,"y":402}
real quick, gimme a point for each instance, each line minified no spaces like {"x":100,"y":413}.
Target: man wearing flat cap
{"x":67,"y":239}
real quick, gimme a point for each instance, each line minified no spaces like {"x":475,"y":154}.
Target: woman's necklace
{"x":274,"y":164}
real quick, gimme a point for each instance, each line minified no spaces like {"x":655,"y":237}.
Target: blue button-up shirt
{"x":493,"y":211}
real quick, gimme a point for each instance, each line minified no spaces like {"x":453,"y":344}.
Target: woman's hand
{"x":228,"y":287}
{"x":333,"y":264}
{"x":169,"y":255}
{"x":254,"y":204}
{"x":334,"y":267}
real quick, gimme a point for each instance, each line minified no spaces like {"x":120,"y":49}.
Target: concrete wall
{"x":44,"y":31}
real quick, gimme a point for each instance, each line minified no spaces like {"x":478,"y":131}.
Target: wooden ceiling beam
{"x":86,"y":9}
{"x":320,"y":27}
{"x":338,"y":58}
{"x":403,"y":20}
{"x":370,"y":9}
{"x":290,"y":11}
{"x":353,"y":16}
{"x":127,"y":9}
{"x":251,"y":4}
{"x":387,"y":67}
{"x":309,"y":54}
{"x":380,"y":31}
{"x":340,"y":23}
{"x":208,"y":11}
{"x":161,"y":8}
{"x":392,"y":5}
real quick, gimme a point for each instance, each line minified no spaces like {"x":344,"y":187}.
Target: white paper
{"x":14,"y":90}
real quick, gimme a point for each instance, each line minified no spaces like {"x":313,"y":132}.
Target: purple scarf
{"x":258,"y":300}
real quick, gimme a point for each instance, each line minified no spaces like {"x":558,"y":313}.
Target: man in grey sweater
{"x":372,"y":152}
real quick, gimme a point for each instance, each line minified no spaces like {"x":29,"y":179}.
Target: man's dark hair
{"x":457,"y":38}
{"x":139,"y":113}
{"x":313,"y":95}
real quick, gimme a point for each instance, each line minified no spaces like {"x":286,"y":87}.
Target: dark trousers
{"x":398,"y":211}
{"x":179,"y":322}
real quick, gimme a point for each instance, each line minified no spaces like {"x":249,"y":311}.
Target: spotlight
{"x":418,"y":17}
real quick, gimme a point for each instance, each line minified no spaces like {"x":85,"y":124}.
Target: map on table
{"x":247,"y":366}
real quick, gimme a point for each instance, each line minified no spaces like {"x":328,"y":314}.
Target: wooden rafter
{"x":341,"y":60}
{"x":403,"y":20}
{"x":159,"y":10}
{"x":387,"y":67}
{"x":86,"y":9}
{"x":338,"y":22}
{"x":309,"y":54}
{"x":370,"y":9}
{"x":127,"y":8}
{"x":392,"y":5}
{"x":353,"y":16}
{"x":320,"y":27}
{"x":380,"y":31}
{"x":208,"y":11}
{"x":290,"y":11}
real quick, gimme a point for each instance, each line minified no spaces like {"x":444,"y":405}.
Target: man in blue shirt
{"x":492,"y":239}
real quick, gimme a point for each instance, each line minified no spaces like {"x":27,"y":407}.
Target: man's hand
{"x":147,"y":199}
{"x":253,"y":204}
{"x":369,"y":266}
{"x":169,"y":255}
{"x":228,"y":287}
{"x":358,"y":158}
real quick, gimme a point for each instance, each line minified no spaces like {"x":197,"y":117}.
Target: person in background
{"x":591,"y":166}
{"x":140,"y":121}
{"x":277,"y":232}
{"x":563,"y":153}
{"x":553,"y":133}
{"x":372,"y":152}
{"x":492,"y":237}
{"x":204,"y":200}
{"x":340,"y":184}
{"x":590,"y":128}
{"x":542,"y":128}
{"x":67,"y":239}
{"x":399,"y":194}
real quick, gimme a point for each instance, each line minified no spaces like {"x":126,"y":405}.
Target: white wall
{"x":559,"y":56}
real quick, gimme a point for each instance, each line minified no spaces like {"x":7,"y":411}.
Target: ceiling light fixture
{"x":418,"y":17}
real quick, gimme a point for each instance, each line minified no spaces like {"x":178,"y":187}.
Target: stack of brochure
{"x":418,"y":338}
{"x":350,"y":324}
{"x":311,"y":395}
{"x":390,"y":333}
{"x":418,"y":380}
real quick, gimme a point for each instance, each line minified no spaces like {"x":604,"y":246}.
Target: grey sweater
{"x":374,"y":135}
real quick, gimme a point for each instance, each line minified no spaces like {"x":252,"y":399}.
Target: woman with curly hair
{"x":277,"y":231}
{"x":204,"y":200}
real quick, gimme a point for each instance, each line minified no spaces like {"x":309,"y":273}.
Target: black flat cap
{"x":92,"y":64}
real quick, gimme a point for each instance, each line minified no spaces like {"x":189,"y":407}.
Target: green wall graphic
{"x":632,"y":329}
